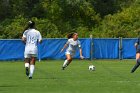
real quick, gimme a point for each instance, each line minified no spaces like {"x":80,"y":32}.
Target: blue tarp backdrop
{"x":129,"y":50}
{"x":106,"y":48}
{"x":11,"y":49}
{"x":50,"y":49}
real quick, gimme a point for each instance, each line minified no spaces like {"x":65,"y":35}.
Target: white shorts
{"x":71,"y":53}
{"x":30,"y":55}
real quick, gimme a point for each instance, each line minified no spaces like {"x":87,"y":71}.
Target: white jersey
{"x":72,"y":46}
{"x":32,"y":37}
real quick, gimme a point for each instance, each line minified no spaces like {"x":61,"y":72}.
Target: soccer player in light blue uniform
{"x":31,"y":37}
{"x":137,"y":45}
{"x":73,"y":43}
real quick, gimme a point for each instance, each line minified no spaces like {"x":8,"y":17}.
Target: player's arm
{"x":39,"y":38}
{"x":24,"y":37}
{"x":80,"y":50}
{"x":24,"y":40}
{"x":65,"y":46}
{"x":137,"y":42}
{"x":39,"y":41}
{"x":81,"y":56}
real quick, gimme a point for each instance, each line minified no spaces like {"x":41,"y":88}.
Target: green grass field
{"x":111,"y":76}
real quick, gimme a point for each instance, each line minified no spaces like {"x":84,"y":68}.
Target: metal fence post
{"x":91,"y":48}
{"x":120,"y":48}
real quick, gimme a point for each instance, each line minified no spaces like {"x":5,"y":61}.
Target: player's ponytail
{"x":70,"y":35}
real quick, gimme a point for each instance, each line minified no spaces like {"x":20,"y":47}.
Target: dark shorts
{"x":138,"y":49}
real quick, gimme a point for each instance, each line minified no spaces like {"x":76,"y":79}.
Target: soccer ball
{"x":91,"y":67}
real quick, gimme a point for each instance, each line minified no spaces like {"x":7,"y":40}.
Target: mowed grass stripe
{"x":111,"y":76}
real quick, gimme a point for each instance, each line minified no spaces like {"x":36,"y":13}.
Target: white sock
{"x":65,"y":63}
{"x":26,"y":65}
{"x":32,"y":67}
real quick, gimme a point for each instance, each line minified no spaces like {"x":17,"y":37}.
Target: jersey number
{"x":31,"y":39}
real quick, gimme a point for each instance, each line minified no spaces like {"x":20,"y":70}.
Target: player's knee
{"x":138,"y":61}
{"x":69,"y":59}
{"x":33,"y":61}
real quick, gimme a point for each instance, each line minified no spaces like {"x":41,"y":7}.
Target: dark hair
{"x":70,"y":35}
{"x":31,"y":24}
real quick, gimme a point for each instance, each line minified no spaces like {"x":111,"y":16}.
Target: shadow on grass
{"x":5,"y":86}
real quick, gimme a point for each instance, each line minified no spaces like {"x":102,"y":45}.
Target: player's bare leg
{"x":27,"y":64}
{"x":137,"y":63}
{"x":32,"y":66}
{"x":67,"y":61}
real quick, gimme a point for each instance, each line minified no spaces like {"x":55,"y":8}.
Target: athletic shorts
{"x":71,"y":53}
{"x":138,"y":51}
{"x":30,"y":55}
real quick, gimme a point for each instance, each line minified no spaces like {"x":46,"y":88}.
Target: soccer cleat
{"x":30,"y":77}
{"x":63,"y":68}
{"x":27,"y":71}
{"x":135,"y":67}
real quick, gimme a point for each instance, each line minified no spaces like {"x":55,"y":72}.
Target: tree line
{"x":57,"y":18}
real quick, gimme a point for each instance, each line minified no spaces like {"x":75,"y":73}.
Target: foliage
{"x":56,"y":18}
{"x":121,"y":24}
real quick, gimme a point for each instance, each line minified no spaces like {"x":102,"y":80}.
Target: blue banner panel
{"x":106,"y":48}
{"x":85,"y":43}
{"x":11,"y":49}
{"x":50,"y":49}
{"x":128,"y":48}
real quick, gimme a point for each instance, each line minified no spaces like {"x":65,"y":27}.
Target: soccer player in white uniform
{"x":31,"y":37}
{"x":73,"y":43}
